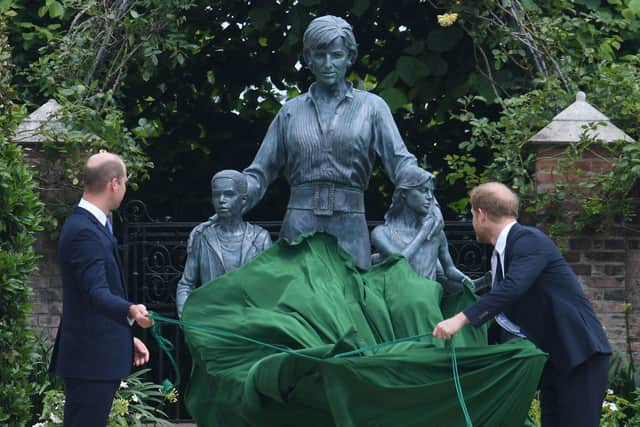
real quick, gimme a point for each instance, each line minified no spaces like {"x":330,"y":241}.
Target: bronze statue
{"x":414,"y":229}
{"x":325,"y":141}
{"x":224,"y":242}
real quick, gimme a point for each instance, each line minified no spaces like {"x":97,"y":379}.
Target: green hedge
{"x":21,"y":214}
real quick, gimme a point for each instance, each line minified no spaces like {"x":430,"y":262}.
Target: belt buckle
{"x":323,"y":198}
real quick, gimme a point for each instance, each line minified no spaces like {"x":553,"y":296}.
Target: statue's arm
{"x":267,"y":164}
{"x":191,"y":274}
{"x":382,"y":243}
{"x":388,"y":143}
{"x":451,"y":271}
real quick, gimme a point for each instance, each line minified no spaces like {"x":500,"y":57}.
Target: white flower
{"x":610,"y":406}
{"x":609,"y":391}
{"x":135,"y":398}
{"x":123,"y":384}
{"x":39,"y":425}
{"x":55,"y":419}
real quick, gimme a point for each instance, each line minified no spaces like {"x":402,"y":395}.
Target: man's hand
{"x":139,"y":313}
{"x":140,"y":353}
{"x":449,"y":327}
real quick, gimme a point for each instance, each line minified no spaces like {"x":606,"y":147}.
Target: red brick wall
{"x":607,"y":263}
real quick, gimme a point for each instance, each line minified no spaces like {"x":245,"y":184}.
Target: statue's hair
{"x":238,"y":179}
{"x":96,"y":177}
{"x":408,"y":178}
{"x":324,"y":30}
{"x":496,"y":199}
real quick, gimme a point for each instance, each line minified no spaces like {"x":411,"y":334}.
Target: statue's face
{"x":227,"y":200}
{"x":420,"y":199}
{"x":329,"y":63}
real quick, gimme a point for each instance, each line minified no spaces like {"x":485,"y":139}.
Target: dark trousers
{"x":88,"y":403}
{"x":574,"y":399}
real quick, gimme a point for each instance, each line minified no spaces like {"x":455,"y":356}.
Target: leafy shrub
{"x":20,"y":216}
{"x":135,"y":404}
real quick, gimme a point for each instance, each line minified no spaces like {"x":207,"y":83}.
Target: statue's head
{"x":329,"y":37}
{"x":229,"y":193}
{"x":414,"y":190}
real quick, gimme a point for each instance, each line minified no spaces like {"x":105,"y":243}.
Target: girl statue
{"x":412,"y":228}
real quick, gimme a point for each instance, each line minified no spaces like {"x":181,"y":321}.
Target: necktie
{"x":498,"y":276}
{"x":109,"y":226}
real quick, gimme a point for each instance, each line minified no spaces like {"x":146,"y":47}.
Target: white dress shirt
{"x":498,"y":255}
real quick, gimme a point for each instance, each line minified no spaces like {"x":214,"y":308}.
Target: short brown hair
{"x":496,"y":199}
{"x":96,"y":177}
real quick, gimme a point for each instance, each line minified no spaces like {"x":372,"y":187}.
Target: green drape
{"x":309,"y":295}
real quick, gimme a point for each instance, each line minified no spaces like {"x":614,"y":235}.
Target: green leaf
{"x":360,"y":7}
{"x":259,"y":17}
{"x":634,"y":5}
{"x":443,"y":39}
{"x":591,"y":4}
{"x":55,"y":8}
{"x":410,"y":69}
{"x":436,"y":64}
{"x":134,"y":14}
{"x":389,"y":81}
{"x":394,"y":97}
{"x":6,"y":5}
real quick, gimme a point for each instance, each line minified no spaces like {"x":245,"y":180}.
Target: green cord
{"x":456,"y":382}
{"x":167,"y":347}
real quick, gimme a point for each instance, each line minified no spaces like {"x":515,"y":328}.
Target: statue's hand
{"x":466,"y":281}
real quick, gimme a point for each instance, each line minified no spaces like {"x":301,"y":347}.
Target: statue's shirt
{"x":340,"y":151}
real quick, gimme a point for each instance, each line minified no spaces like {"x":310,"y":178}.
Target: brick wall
{"x":46,"y":283}
{"x":607,"y":263}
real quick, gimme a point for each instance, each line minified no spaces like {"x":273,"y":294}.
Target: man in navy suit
{"x":538,"y":297}
{"x":95,"y":347}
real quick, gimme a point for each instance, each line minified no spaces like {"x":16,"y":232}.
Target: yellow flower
{"x":447,"y":19}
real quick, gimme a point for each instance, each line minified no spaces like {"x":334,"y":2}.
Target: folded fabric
{"x":309,"y":296}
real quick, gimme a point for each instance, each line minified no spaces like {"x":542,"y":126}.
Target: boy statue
{"x":225,"y":241}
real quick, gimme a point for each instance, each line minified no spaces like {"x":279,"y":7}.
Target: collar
{"x":94,"y":210}
{"x":501,"y":243}
{"x":347,"y":94}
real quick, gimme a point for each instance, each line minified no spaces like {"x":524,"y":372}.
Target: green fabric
{"x":309,"y":295}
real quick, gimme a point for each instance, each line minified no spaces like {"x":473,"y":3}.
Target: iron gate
{"x":154,"y":253}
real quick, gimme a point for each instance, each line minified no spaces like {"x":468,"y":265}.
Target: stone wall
{"x":607,"y":263}
{"x":46,"y":283}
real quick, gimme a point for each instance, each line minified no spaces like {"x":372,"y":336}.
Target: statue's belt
{"x":325,"y":198}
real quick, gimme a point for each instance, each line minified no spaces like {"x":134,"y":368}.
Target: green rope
{"x":167,"y":347}
{"x":456,"y":382}
{"x":383,"y":344}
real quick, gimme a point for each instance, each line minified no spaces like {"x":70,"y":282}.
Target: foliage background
{"x":21,"y":215}
{"x":184,"y":88}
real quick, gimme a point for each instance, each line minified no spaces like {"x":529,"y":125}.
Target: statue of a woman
{"x":325,"y":141}
{"x":412,"y":228}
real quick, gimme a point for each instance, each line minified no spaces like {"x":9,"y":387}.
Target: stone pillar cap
{"x":567,"y":126}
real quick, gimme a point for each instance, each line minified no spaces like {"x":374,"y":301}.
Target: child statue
{"x":225,"y":241}
{"x":412,"y":228}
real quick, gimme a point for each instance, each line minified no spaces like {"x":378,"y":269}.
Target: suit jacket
{"x":94,"y":339}
{"x":543,"y":296}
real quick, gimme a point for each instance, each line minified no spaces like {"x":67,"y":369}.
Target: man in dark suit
{"x":95,"y":347}
{"x":540,"y":298}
